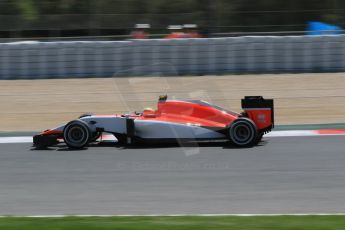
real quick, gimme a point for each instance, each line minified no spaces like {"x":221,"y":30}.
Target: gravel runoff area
{"x":33,"y":105}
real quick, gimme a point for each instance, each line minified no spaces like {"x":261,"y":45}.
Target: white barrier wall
{"x":264,"y":54}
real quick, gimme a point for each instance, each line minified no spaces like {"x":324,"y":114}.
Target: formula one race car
{"x":173,"y":120}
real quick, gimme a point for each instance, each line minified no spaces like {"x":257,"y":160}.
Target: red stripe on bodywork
{"x":331,"y":131}
{"x":188,"y":113}
{"x":52,"y":132}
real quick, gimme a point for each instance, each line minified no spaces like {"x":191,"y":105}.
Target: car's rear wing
{"x":260,"y":110}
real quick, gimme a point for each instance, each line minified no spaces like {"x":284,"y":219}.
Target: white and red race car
{"x":173,"y":120}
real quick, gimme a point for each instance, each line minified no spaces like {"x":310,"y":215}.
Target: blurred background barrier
{"x":261,"y":54}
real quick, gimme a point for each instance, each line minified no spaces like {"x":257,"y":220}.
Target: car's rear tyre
{"x":77,"y":134}
{"x":243,"y":133}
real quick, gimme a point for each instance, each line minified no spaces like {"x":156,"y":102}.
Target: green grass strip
{"x":177,"y":223}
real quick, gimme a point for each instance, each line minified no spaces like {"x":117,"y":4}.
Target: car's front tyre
{"x":77,"y":134}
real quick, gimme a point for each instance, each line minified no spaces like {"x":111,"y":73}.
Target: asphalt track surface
{"x":283,"y":175}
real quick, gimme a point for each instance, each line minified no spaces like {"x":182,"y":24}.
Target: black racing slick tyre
{"x":77,"y":134}
{"x":243,"y":133}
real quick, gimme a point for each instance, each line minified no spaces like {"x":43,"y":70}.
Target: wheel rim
{"x":76,"y":135}
{"x":242,"y":133}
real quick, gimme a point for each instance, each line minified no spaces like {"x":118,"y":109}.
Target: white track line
{"x":301,"y":133}
{"x":292,"y":133}
{"x":8,"y":140}
{"x":179,"y":215}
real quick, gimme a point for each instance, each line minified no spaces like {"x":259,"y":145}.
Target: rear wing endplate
{"x":258,"y":102}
